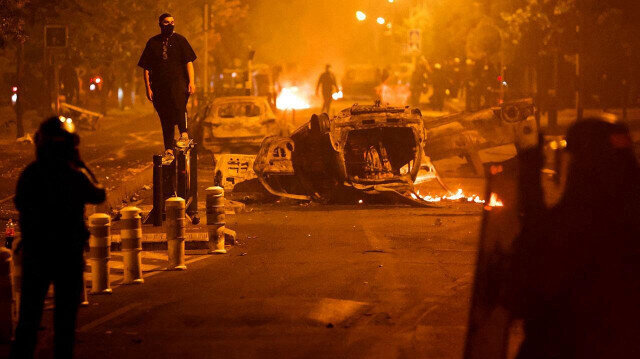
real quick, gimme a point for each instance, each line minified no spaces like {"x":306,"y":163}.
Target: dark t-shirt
{"x":168,"y":72}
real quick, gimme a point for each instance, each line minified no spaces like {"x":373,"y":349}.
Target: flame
{"x":290,"y":98}
{"x":459,"y":195}
{"x":337,"y":95}
{"x":494,"y":201}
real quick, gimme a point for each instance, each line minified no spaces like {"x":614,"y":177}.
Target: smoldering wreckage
{"x":374,"y":152}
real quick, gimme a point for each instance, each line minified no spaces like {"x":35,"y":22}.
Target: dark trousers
{"x":67,"y":282}
{"x":326,"y":105}
{"x":170,"y":116}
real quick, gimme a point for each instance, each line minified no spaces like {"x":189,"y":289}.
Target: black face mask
{"x":166,"y":29}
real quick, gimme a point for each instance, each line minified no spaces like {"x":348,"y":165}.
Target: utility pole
{"x":20,"y":85}
{"x":205,"y":68}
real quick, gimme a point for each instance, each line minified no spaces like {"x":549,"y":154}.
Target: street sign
{"x":55,"y":36}
{"x":414,"y":40}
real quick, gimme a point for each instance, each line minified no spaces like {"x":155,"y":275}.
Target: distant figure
{"x":576,"y":266}
{"x":329,"y":85}
{"x":418,"y":83}
{"x":70,"y":82}
{"x":50,"y":196}
{"x":168,"y":73}
{"x":439,"y":81}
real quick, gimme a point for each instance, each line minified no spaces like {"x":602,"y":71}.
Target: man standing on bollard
{"x":329,"y":85}
{"x":50,"y":196}
{"x":168,"y":73}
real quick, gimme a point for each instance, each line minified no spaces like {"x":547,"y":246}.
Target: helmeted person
{"x":167,"y":62}
{"x":51,"y":195}
{"x":576,"y":266}
{"x":329,"y":85}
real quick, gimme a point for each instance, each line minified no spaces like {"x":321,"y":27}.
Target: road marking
{"x":107,"y":317}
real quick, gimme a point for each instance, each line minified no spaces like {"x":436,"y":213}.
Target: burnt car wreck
{"x":364,"y":150}
{"x":375,"y":152}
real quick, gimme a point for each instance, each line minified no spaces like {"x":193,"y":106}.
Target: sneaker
{"x":167,"y":158}
{"x":183,"y":141}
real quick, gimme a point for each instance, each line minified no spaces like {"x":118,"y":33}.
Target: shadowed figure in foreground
{"x":50,"y":196}
{"x":576,"y":266}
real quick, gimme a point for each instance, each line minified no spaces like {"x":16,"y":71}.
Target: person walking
{"x":329,"y":85}
{"x":50,"y":196}
{"x":167,"y":62}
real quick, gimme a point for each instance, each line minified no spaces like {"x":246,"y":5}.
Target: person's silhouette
{"x":50,"y":196}
{"x":576,"y":266}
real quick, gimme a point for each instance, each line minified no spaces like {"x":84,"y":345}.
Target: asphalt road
{"x":304,"y":282}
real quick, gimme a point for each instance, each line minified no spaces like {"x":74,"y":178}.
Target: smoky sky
{"x":309,"y":33}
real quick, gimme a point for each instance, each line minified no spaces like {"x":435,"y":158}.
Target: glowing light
{"x":120,"y":95}
{"x":14,"y":98}
{"x":360,"y":201}
{"x":361,"y":16}
{"x":92,"y":87}
{"x":62,"y":119}
{"x":14,"y":89}
{"x":234,"y":75}
{"x":494,"y":201}
{"x":391,"y":1}
{"x":381,"y":20}
{"x":337,"y":95}
{"x":290,"y":98}
{"x":98,"y":80}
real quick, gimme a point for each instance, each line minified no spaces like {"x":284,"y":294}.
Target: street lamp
{"x":361,"y":16}
{"x":381,"y":20}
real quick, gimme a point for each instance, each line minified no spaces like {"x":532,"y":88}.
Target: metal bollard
{"x":175,"y":230}
{"x":85,"y":295}
{"x":16,"y":271}
{"x":99,"y":252}
{"x":6,"y":296}
{"x":216,"y":219}
{"x":131,"y":239}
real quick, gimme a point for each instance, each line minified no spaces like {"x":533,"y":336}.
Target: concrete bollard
{"x":131,"y":239}
{"x":99,"y":252}
{"x":6,"y":296}
{"x":85,"y":295}
{"x":16,"y":271}
{"x":175,"y":230}
{"x":216,"y":219}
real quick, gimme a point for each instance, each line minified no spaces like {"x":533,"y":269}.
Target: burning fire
{"x":494,"y":201}
{"x":291,"y":98}
{"x":337,"y":95}
{"x":458,"y":196}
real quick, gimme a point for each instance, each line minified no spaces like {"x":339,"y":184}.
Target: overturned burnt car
{"x":465,"y":134}
{"x":364,"y":150}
